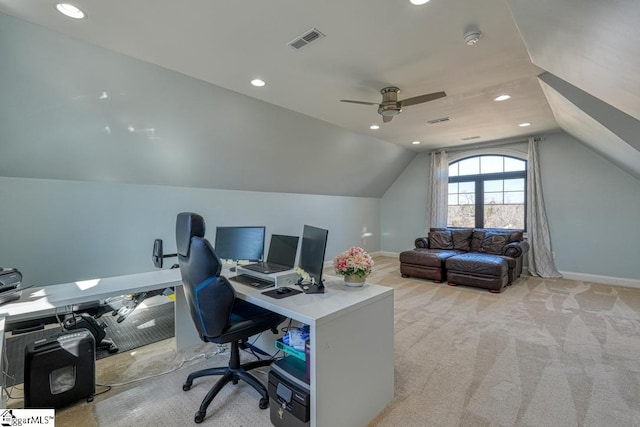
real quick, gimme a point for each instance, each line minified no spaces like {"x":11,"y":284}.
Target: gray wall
{"x":59,"y":231}
{"x":67,"y":108}
{"x":593,"y":208}
{"x":403,"y":208}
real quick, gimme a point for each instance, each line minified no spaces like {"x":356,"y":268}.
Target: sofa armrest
{"x":516,"y":249}
{"x":422,"y":242}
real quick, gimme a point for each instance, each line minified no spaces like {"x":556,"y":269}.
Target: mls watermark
{"x":27,"y":417}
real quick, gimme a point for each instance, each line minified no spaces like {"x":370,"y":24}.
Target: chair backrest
{"x":209,"y":295}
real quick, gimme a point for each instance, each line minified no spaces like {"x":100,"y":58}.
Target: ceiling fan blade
{"x":386,"y":119}
{"x":422,"y":98}
{"x":359,"y":102}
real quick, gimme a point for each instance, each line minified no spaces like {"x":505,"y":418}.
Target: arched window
{"x":488,"y":191}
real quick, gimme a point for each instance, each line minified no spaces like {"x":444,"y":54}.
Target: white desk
{"x":351,"y":333}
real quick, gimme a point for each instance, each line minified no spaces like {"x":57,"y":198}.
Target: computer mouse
{"x":283,"y":290}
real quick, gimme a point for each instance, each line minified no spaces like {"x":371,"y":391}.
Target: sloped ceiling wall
{"x":591,"y":53}
{"x":71,"y":110}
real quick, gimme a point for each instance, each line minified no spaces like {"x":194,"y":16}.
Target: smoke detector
{"x":472,"y":37}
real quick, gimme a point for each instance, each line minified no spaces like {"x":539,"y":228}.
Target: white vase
{"x":354,"y":281}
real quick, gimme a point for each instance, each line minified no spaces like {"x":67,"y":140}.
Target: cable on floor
{"x":206,"y":356}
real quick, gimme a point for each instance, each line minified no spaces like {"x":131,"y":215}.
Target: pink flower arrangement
{"x":354,"y":262}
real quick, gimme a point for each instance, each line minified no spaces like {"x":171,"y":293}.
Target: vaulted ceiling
{"x":567,"y":64}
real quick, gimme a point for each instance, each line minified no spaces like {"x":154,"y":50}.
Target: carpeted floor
{"x":542,"y":353}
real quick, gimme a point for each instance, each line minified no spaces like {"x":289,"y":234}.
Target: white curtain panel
{"x":540,"y":255}
{"x":438,"y":189}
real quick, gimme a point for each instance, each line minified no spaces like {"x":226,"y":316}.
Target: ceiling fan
{"x":390,"y":106}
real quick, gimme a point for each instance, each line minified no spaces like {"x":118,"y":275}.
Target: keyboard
{"x":252,"y":281}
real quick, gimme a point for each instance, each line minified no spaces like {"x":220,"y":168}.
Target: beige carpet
{"x":171,"y":406}
{"x":542,"y":353}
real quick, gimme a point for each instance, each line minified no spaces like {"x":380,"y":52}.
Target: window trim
{"x":480,"y":178}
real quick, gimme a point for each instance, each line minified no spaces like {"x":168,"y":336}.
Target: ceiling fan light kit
{"x":472,"y":37}
{"x":391,"y":106}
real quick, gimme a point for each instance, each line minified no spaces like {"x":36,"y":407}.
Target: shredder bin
{"x":60,"y":370}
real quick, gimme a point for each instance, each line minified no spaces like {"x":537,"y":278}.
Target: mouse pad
{"x":273,"y":293}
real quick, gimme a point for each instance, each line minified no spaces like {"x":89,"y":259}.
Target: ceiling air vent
{"x":471,"y":137}
{"x":306,"y":39}
{"x":440,"y":120}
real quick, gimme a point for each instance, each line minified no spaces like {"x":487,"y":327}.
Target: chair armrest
{"x":422,"y":242}
{"x":516,"y":249}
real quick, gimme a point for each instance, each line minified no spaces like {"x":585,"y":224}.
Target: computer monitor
{"x":240,"y":243}
{"x":283,"y":249}
{"x":312,"y":251}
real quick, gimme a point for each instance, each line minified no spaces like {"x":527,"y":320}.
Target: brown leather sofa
{"x":481,"y":257}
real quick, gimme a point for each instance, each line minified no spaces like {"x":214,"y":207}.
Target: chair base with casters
{"x":232,"y":373}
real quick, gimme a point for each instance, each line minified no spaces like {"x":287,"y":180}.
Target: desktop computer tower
{"x":289,"y":393}
{"x":60,"y":370}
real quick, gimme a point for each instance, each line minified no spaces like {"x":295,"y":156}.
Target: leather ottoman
{"x":477,"y":269}
{"x":425,"y":263}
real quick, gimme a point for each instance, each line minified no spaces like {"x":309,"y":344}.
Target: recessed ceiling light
{"x":374,"y":127}
{"x":416,"y":142}
{"x":70,"y":10}
{"x":419,"y":2}
{"x":258,"y":82}
{"x":524,"y":125}
{"x":502,"y":97}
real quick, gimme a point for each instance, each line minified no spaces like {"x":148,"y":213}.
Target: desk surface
{"x":41,"y":301}
{"x":307,"y":308}
{"x":314,"y":309}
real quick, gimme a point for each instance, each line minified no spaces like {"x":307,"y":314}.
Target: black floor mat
{"x":144,"y":326}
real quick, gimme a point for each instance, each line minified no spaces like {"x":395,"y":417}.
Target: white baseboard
{"x":608,"y":280}
{"x":385,"y":253}
{"x":329,"y":263}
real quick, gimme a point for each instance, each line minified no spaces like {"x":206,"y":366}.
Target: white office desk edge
{"x":42,"y":301}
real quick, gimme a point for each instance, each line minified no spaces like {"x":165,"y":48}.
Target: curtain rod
{"x":486,"y":145}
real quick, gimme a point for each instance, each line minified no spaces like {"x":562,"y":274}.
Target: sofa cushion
{"x":476,"y":240}
{"x":515,"y":236}
{"x":480,"y":264}
{"x":440,"y":239}
{"x":462,"y":238}
{"x":494,"y":243}
{"x":427,"y":257}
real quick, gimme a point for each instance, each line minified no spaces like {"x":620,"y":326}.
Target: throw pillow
{"x":494,"y":243}
{"x":476,"y":241}
{"x":462,"y":239}
{"x":440,"y":239}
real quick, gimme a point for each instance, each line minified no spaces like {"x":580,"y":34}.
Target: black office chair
{"x":218,"y":315}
